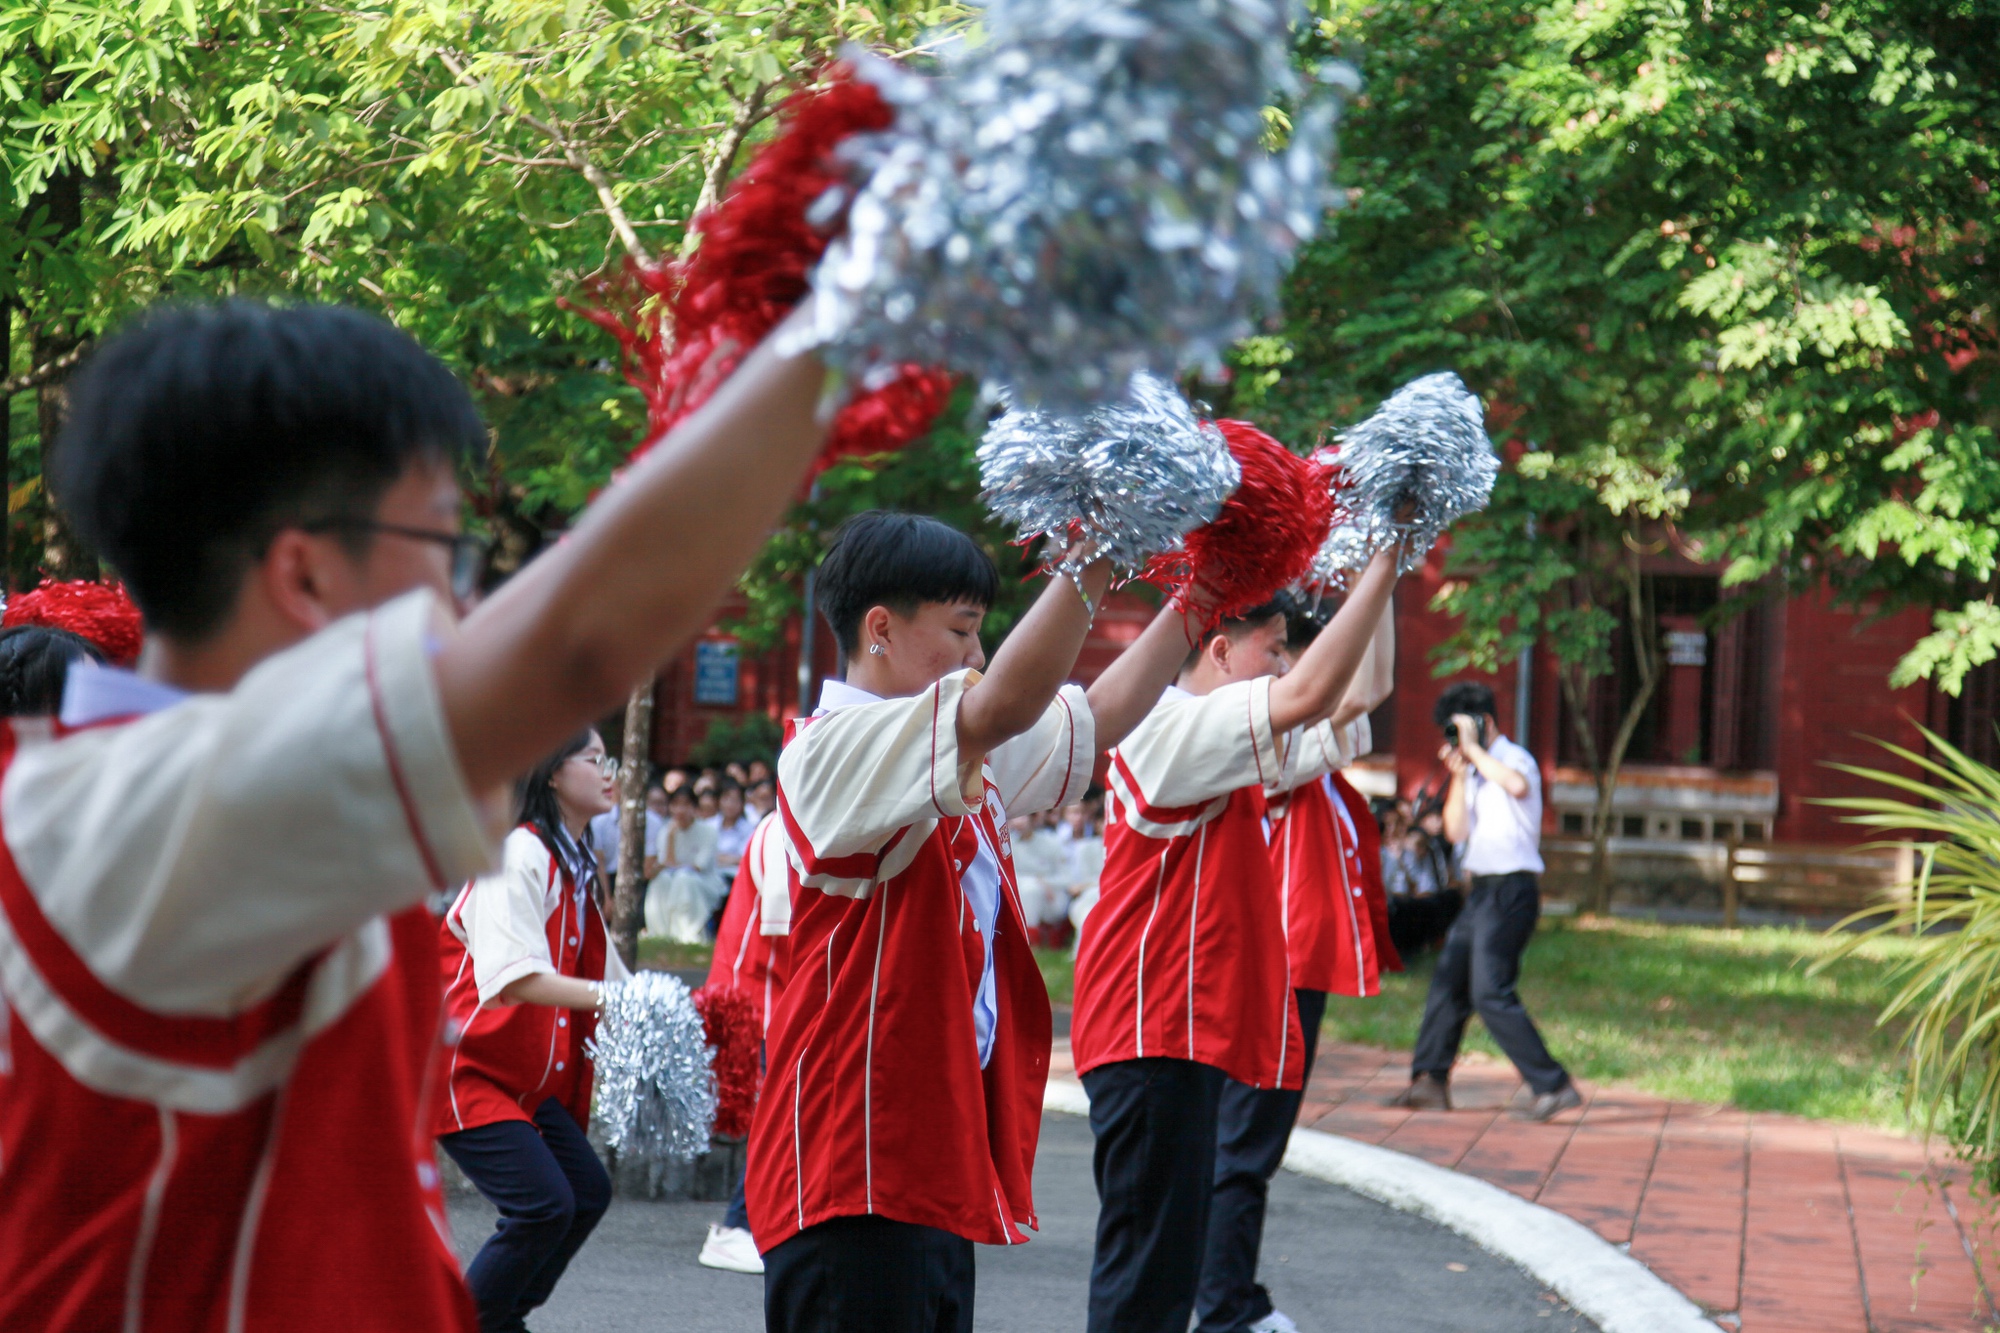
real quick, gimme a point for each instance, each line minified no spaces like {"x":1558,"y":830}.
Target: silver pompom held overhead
{"x":655,"y":1099}
{"x":1082,"y":195}
{"x":1425,"y":449}
{"x":1130,"y":478}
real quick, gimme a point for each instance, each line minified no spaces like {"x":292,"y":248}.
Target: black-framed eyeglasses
{"x":471,"y":554}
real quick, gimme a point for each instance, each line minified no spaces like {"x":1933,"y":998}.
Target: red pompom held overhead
{"x":729,"y":1019}
{"x":1266,"y":534}
{"x":691,"y":322}
{"x":99,"y":612}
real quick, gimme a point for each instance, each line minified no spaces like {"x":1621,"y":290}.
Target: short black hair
{"x":34,"y":664}
{"x":198,"y":433}
{"x":1470,"y":697}
{"x":899,"y":561}
{"x":684,"y":792}
{"x":1258,"y":616}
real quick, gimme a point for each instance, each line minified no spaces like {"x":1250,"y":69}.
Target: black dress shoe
{"x":1427,"y":1092}
{"x":1549,"y":1105}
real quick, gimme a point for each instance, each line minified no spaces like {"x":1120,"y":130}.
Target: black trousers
{"x":1252,"y":1127}
{"x":869,"y":1275}
{"x":1154,"y":1121}
{"x":738,"y":1213}
{"x":550,"y":1190}
{"x":1476,"y":971}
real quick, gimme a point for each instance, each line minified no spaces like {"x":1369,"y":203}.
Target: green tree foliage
{"x":1721,"y":272}
{"x":458,"y":165}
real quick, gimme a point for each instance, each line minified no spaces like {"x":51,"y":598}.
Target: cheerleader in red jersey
{"x":219,"y":984}
{"x":909,"y":1053}
{"x":1181,"y":974}
{"x":1332,"y":946}
{"x":750,"y":957}
{"x":526,"y":957}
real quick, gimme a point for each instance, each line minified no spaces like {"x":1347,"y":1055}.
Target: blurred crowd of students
{"x":698,"y":822}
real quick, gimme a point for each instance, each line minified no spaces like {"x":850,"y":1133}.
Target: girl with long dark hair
{"x":526,"y":956}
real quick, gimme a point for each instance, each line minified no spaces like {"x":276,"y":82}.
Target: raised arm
{"x":1375,"y":679}
{"x":1315,"y":686}
{"x":1131,"y":685}
{"x":1031,"y":665}
{"x":569,"y":638}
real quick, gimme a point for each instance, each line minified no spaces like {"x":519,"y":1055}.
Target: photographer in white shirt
{"x":1494,"y":808}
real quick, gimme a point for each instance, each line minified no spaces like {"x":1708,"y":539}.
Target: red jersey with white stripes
{"x":222,"y":1001}
{"x":908,"y":1054}
{"x":750,"y":944}
{"x":1184,"y":954}
{"x":536,"y":915}
{"x":1367,"y":835}
{"x":1329,"y":934}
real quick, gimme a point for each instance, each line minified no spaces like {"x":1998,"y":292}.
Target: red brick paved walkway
{"x":1771,"y":1223}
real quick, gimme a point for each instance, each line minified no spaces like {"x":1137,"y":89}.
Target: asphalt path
{"x":1332,"y":1259}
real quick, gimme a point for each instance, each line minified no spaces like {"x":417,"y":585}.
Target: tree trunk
{"x":628,"y":893}
{"x":7,"y":450}
{"x":63,"y":556}
{"x":1645,"y":657}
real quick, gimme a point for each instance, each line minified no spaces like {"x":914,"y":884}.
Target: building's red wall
{"x":1828,"y":684}
{"x":1833,"y":696}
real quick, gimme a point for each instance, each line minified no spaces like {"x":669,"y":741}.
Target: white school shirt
{"x":897,"y":772}
{"x":1505,"y":834}
{"x":504,"y":920}
{"x":731,"y":839}
{"x":195,"y":857}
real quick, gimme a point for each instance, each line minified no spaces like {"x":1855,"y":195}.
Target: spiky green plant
{"x":1950,"y":985}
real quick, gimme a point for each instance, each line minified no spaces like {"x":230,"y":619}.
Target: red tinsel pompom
{"x":99,"y":612}
{"x":1266,"y":534}
{"x":729,"y":1019}
{"x":690,"y":324}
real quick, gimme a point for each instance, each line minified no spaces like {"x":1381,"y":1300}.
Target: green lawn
{"x":1681,"y":1011}
{"x":665,"y":954}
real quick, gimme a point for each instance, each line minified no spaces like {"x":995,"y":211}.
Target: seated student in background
{"x":898,"y":1122}
{"x":761,"y":796}
{"x":603,"y":836}
{"x":1041,"y":874}
{"x":222,"y":994}
{"x":526,"y":957}
{"x":682,"y":889}
{"x":733,"y":827}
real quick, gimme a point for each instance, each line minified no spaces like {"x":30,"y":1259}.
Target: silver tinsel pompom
{"x":1427,"y":446}
{"x":1082,"y":195}
{"x":1132,"y":477}
{"x":655,"y":1092}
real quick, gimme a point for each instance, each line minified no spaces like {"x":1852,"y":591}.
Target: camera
{"x":1451,"y":736}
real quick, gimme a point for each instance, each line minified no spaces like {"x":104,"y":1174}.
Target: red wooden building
{"x":1734,"y":749}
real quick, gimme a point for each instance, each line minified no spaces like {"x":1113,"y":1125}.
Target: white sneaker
{"x":731,"y":1248}
{"x":1275,"y":1322}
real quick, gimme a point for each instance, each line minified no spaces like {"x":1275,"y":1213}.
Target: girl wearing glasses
{"x":526,"y":956}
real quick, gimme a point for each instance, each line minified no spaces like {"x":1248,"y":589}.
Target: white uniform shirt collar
{"x":979,"y":881}
{"x":94,"y":693}
{"x":835,"y":695}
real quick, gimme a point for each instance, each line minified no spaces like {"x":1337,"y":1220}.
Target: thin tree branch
{"x":578,"y":159}
{"x":747,"y":118}
{"x":52,"y":369}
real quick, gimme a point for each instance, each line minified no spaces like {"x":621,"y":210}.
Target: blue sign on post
{"x":715,"y":673}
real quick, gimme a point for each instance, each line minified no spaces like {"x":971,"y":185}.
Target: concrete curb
{"x":1615,"y":1291}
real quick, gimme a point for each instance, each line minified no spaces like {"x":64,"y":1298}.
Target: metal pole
{"x":1524,"y":667}
{"x":806,"y":629}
